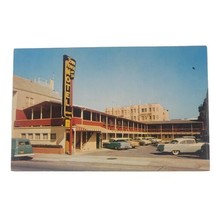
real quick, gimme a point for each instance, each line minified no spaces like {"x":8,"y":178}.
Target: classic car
{"x":181,"y":145}
{"x":133,"y":143}
{"x":117,"y":143}
{"x":144,"y":141}
{"x":21,"y":148}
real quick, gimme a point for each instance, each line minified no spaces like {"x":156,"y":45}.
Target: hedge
{"x":46,"y":146}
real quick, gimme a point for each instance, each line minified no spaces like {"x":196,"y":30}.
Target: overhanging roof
{"x":92,"y":128}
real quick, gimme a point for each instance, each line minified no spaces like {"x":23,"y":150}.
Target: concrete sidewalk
{"x":191,"y":164}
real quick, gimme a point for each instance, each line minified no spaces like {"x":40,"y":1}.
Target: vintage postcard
{"x":110,"y":109}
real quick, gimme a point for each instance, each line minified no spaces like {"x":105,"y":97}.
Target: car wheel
{"x":175,"y":152}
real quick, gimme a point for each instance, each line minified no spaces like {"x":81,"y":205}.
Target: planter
{"x":48,"y":150}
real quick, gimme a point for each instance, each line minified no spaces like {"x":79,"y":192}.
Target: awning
{"x":92,"y":128}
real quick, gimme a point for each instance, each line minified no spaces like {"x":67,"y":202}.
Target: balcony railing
{"x":39,"y":122}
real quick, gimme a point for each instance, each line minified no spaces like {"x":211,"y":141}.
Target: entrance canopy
{"x":92,"y":128}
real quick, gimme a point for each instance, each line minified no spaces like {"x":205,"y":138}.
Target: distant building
{"x":27,"y":93}
{"x":204,"y":117}
{"x":142,"y":113}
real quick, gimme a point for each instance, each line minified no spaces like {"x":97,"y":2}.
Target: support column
{"x":191,"y":129}
{"x":51,"y":110}
{"x":75,"y":139}
{"x":41,"y":112}
{"x":32,"y":114}
{"x":173,"y":136}
{"x":90,"y":116}
{"x":81,"y":137}
{"x":82,"y":111}
{"x":161,"y":129}
{"x":107,"y":126}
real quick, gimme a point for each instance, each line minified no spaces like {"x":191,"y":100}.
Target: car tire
{"x":175,"y":152}
{"x":142,"y":144}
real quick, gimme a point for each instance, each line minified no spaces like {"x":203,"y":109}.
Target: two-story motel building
{"x":42,"y":122}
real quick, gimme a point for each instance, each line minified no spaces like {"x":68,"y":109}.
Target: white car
{"x":181,"y":145}
{"x":144,"y":141}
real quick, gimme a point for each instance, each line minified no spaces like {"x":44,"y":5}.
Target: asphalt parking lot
{"x":141,"y":151}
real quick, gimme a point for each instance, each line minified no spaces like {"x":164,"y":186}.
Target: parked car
{"x":117,"y":143}
{"x":21,"y":148}
{"x":132,"y":142}
{"x":144,"y":141}
{"x":155,"y":141}
{"x":181,"y":145}
{"x":205,"y":151}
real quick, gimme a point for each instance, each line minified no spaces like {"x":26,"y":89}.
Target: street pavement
{"x":158,"y":164}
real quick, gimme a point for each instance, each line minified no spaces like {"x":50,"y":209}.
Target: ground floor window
{"x":53,"y":136}
{"x":37,"y":136}
{"x":45,"y":136}
{"x":23,"y":135}
{"x":30,"y":136}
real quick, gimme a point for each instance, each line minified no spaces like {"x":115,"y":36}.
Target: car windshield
{"x":174,"y":141}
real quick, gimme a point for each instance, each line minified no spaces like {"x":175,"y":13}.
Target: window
{"x":23,"y":135}
{"x":190,"y":141}
{"x":45,"y":136}
{"x":183,"y":142}
{"x":53,"y":136}
{"x":27,"y":101}
{"x":37,"y":136}
{"x":142,"y":109}
{"x":153,"y":108}
{"x":21,"y":143}
{"x":30,"y":136}
{"x":31,"y":101}
{"x":174,"y":141}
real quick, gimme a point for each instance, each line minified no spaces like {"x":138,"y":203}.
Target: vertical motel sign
{"x":69,"y":66}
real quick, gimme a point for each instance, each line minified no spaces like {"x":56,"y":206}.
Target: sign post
{"x":69,"y":66}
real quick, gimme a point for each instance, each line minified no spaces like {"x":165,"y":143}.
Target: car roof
{"x":183,"y":138}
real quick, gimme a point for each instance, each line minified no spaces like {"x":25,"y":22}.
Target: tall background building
{"x":27,"y":93}
{"x":145,"y":112}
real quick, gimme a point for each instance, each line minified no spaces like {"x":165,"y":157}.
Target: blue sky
{"x":118,"y":76}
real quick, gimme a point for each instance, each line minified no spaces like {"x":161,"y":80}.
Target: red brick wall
{"x":48,"y":150}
